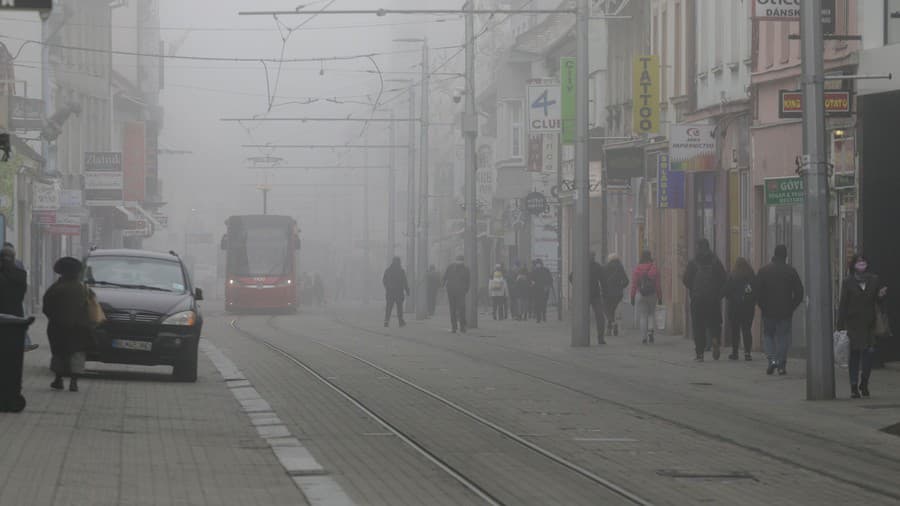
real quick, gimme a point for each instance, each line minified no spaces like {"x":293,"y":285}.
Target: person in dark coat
{"x":395,"y":287}
{"x":861,"y":294}
{"x":740,"y":301}
{"x":456,"y":281}
{"x":596,"y":294}
{"x":704,"y":279}
{"x":68,"y":324}
{"x":541,"y":284}
{"x":13,"y":286}
{"x":615,"y":283}
{"x":779,"y":292}
{"x":319,"y":290}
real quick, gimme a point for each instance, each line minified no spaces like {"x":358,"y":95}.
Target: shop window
{"x":892,"y":21}
{"x":705,"y":207}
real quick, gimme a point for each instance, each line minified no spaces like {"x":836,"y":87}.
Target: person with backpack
{"x":704,"y":278}
{"x":779,"y":292}
{"x":499,"y":291}
{"x":645,"y":284}
{"x":616,"y":281}
{"x":740,"y":301}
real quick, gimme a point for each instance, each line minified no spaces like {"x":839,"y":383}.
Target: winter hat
{"x":67,"y":266}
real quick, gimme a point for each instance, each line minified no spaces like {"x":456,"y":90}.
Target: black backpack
{"x":647,"y":285}
{"x":705,"y":285}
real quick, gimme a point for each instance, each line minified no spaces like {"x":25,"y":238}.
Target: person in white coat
{"x":499,"y":292}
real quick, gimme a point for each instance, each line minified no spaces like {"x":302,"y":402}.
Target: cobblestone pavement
{"x":132,"y":436}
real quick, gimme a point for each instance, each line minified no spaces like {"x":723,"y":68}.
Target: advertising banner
{"x":645,"y":95}
{"x":692,"y":148}
{"x":567,"y":72}
{"x":670,"y":185}
{"x":70,"y":198}
{"x":790,"y":103}
{"x":789,"y":10}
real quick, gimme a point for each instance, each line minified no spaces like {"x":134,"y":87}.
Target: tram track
{"x":470,"y":483}
{"x":868,"y":487}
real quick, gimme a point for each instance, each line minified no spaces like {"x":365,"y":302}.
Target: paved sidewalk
{"x":132,"y":436}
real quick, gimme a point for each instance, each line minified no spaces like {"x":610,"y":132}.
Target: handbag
{"x":96,"y":316}
{"x":882,"y":324}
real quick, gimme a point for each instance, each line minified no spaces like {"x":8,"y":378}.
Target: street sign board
{"x":70,"y":198}
{"x":545,"y":109}
{"x":535,"y":203}
{"x":784,"y":191}
{"x":45,"y":197}
{"x":26,"y":4}
{"x":692,"y":147}
{"x":26,"y":113}
{"x":670,"y":185}
{"x":568,"y":76}
{"x":789,"y":10}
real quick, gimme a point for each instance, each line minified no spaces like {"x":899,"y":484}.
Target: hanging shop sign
{"x":535,"y":203}
{"x":645,"y":95}
{"x":692,"y":148}
{"x":103,"y":179}
{"x":789,"y":10}
{"x":543,"y":153}
{"x":784,"y":191}
{"x":45,"y":196}
{"x":622,"y":165}
{"x":669,"y":184}
{"x":26,"y":4}
{"x":545,"y":109}
{"x":790,"y":103}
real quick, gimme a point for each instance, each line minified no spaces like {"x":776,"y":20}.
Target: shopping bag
{"x":841,"y":348}
{"x":882,"y":324}
{"x":660,"y":316}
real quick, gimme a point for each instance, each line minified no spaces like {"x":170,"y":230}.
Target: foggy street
{"x":449,"y":252}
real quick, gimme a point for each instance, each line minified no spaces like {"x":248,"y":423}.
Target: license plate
{"x":125,"y":344}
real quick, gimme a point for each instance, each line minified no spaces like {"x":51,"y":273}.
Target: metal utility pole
{"x":392,"y":192}
{"x":470,"y":132}
{"x":581,"y":326}
{"x":265,"y":189}
{"x":422,"y":264}
{"x":411,"y":197}
{"x":820,"y":362}
{"x":366,"y":248}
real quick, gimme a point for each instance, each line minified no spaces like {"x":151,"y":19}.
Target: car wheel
{"x":185,"y":370}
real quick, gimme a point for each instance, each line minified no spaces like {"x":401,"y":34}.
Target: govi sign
{"x":784,"y":191}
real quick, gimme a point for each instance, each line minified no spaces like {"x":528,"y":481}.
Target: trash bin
{"x":12,"y":353}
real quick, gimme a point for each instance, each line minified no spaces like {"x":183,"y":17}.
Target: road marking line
{"x":605,"y":439}
{"x":307,"y":474}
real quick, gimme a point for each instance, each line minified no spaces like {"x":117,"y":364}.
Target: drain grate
{"x":893,"y":430}
{"x":689,"y":475}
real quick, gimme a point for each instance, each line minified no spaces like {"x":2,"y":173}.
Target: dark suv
{"x":152,"y":315}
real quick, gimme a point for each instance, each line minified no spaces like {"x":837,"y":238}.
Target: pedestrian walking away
{"x":596,"y":293}
{"x":13,"y":286}
{"x":68,"y":323}
{"x":645,"y":295}
{"x":541,"y":284}
{"x":704,"y":279}
{"x":740,"y":301}
{"x":456,"y":281}
{"x":432,"y":285}
{"x":616,"y":281}
{"x":779,"y":292}
{"x":522,"y":289}
{"x":395,"y":288}
{"x":499,"y":291}
{"x":319,"y":290}
{"x":861,"y":296}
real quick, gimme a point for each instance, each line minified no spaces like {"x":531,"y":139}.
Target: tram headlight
{"x":287,"y":282}
{"x":231,"y":282}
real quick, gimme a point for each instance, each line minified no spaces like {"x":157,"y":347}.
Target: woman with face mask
{"x":861,"y":293}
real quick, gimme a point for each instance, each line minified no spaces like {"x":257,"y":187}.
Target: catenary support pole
{"x":820,"y":363}
{"x":581,"y":327}
{"x":367,"y":248}
{"x":392,"y":193}
{"x":470,"y":132}
{"x":411,"y":197}
{"x":422,"y":264}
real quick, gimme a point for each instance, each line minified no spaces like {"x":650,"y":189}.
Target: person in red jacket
{"x":645,"y":285}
